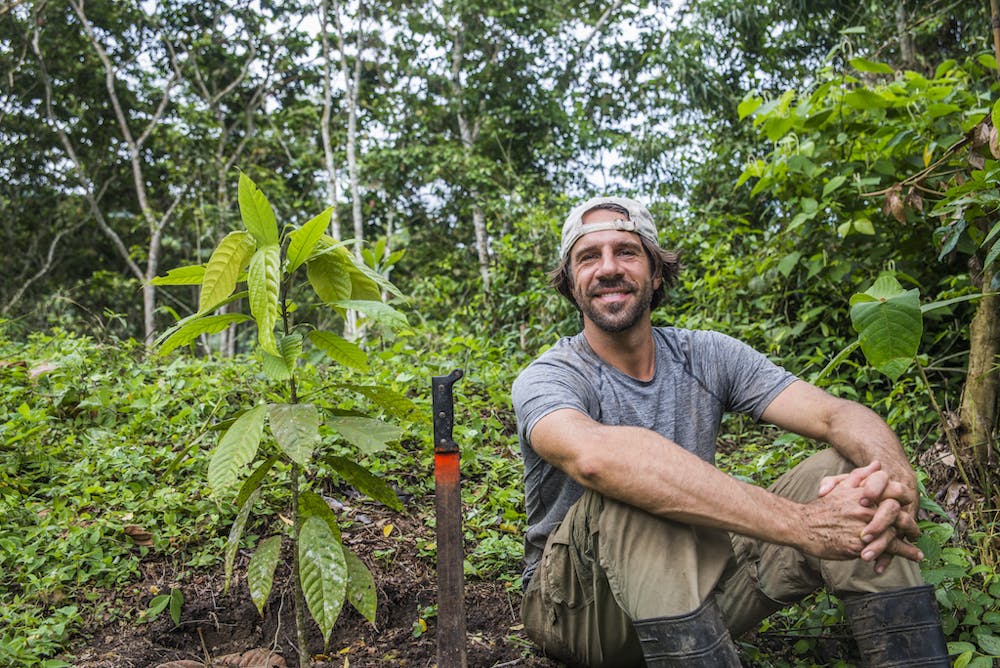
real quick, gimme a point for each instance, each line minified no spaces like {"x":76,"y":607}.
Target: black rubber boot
{"x":698,"y":639}
{"x":901,"y":627}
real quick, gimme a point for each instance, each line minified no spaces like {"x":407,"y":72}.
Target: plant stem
{"x":298,"y":597}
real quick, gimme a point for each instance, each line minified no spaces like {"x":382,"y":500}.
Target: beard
{"x":618,"y":316}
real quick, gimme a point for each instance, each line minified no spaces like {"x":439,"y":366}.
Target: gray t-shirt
{"x":699,"y":376}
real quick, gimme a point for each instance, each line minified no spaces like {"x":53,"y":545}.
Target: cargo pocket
{"x":780,"y":572}
{"x":568,"y":578}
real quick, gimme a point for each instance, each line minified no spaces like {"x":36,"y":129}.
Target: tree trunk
{"x":482,"y":245}
{"x":995,"y":29}
{"x":352,"y":84}
{"x":469,"y":129}
{"x":331,"y":168}
{"x":982,"y":382}
{"x":906,"y":55}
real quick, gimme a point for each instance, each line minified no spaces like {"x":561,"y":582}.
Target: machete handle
{"x":443,"y":404}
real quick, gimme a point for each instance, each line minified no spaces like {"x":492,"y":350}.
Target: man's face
{"x":611,"y":281}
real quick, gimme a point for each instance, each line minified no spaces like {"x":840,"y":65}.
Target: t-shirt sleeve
{"x":752,"y":381}
{"x":547,"y":385}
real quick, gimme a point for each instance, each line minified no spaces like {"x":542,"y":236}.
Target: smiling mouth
{"x":612,"y":292}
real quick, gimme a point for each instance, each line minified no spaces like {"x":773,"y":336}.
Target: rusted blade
{"x":451,"y":650}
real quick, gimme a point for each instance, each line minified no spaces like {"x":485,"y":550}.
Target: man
{"x":638,"y":550}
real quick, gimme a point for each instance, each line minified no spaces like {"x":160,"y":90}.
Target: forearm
{"x":662,"y":478}
{"x":862,"y":437}
{"x":856,"y":432}
{"x":643,"y":469}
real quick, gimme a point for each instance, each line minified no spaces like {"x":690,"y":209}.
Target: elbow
{"x":589,"y":469}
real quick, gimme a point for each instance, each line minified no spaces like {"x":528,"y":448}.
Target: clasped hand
{"x":892,"y":524}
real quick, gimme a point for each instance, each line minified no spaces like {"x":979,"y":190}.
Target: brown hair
{"x":663,"y":264}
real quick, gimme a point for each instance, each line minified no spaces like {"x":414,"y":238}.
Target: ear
{"x":657,"y":282}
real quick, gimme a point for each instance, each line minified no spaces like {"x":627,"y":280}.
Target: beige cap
{"x":639,"y":221}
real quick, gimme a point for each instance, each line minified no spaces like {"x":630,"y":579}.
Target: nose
{"x":608,"y":266}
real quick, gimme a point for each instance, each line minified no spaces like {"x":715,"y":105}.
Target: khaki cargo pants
{"x":609,"y":563}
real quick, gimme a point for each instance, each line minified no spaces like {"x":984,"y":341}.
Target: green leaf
{"x":260,"y":571}
{"x":392,"y":401}
{"x":156,"y":606}
{"x":940,"y":109}
{"x":323,"y":572}
{"x":187,"y":331}
{"x":302,"y":242}
{"x":864,"y":226}
{"x":377,"y":311}
{"x":889,"y":323}
{"x":748,"y":106}
{"x":296,"y":429}
{"x":934,"y":306}
{"x":988,"y":61}
{"x":312,"y":504}
{"x":370,"y":436}
{"x":275,"y":368}
{"x":281,"y":368}
{"x":788,"y":263}
{"x":228,"y":261}
{"x":363,"y":287}
{"x":237,"y":448}
{"x":330,"y":276}
{"x":360,"y":587}
{"x":832,"y":185}
{"x":190,"y":275}
{"x":989,"y":644}
{"x":365,"y":482}
{"x":340,"y":350}
{"x":862,"y":98}
{"x":865,"y":65}
{"x":252,"y":484}
{"x":263,"y":282}
{"x":235,"y":534}
{"x":176,"y":603}
{"x":256,"y":211}
{"x":366,"y":283}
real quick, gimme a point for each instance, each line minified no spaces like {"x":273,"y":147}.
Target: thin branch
{"x":49,"y":260}
{"x":585,"y":44}
{"x":85,"y":182}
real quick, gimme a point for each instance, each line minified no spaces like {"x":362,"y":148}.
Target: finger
{"x":902,"y":548}
{"x":896,"y":490}
{"x":878,"y":545}
{"x":853,"y":479}
{"x":874,"y":487}
{"x":886,"y":545}
{"x":857,"y":476}
{"x":827,"y":484}
{"x":882,"y":563}
{"x":906,"y":526}
{"x":882,"y":521}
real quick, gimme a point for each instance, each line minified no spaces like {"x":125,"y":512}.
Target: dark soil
{"x":225,"y":628}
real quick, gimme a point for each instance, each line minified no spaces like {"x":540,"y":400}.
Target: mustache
{"x":612,"y":285}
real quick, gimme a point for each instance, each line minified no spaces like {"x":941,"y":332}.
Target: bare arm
{"x":863,"y":438}
{"x":643,"y":469}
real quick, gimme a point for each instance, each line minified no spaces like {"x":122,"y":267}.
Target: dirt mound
{"x":224,"y":629}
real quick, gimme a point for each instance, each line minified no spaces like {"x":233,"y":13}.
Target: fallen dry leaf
{"x":138,"y":535}
{"x":254,"y":658}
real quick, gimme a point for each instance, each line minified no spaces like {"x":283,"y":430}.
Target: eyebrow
{"x":622,"y":243}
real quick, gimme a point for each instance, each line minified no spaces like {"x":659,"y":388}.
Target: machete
{"x":448,"y":512}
